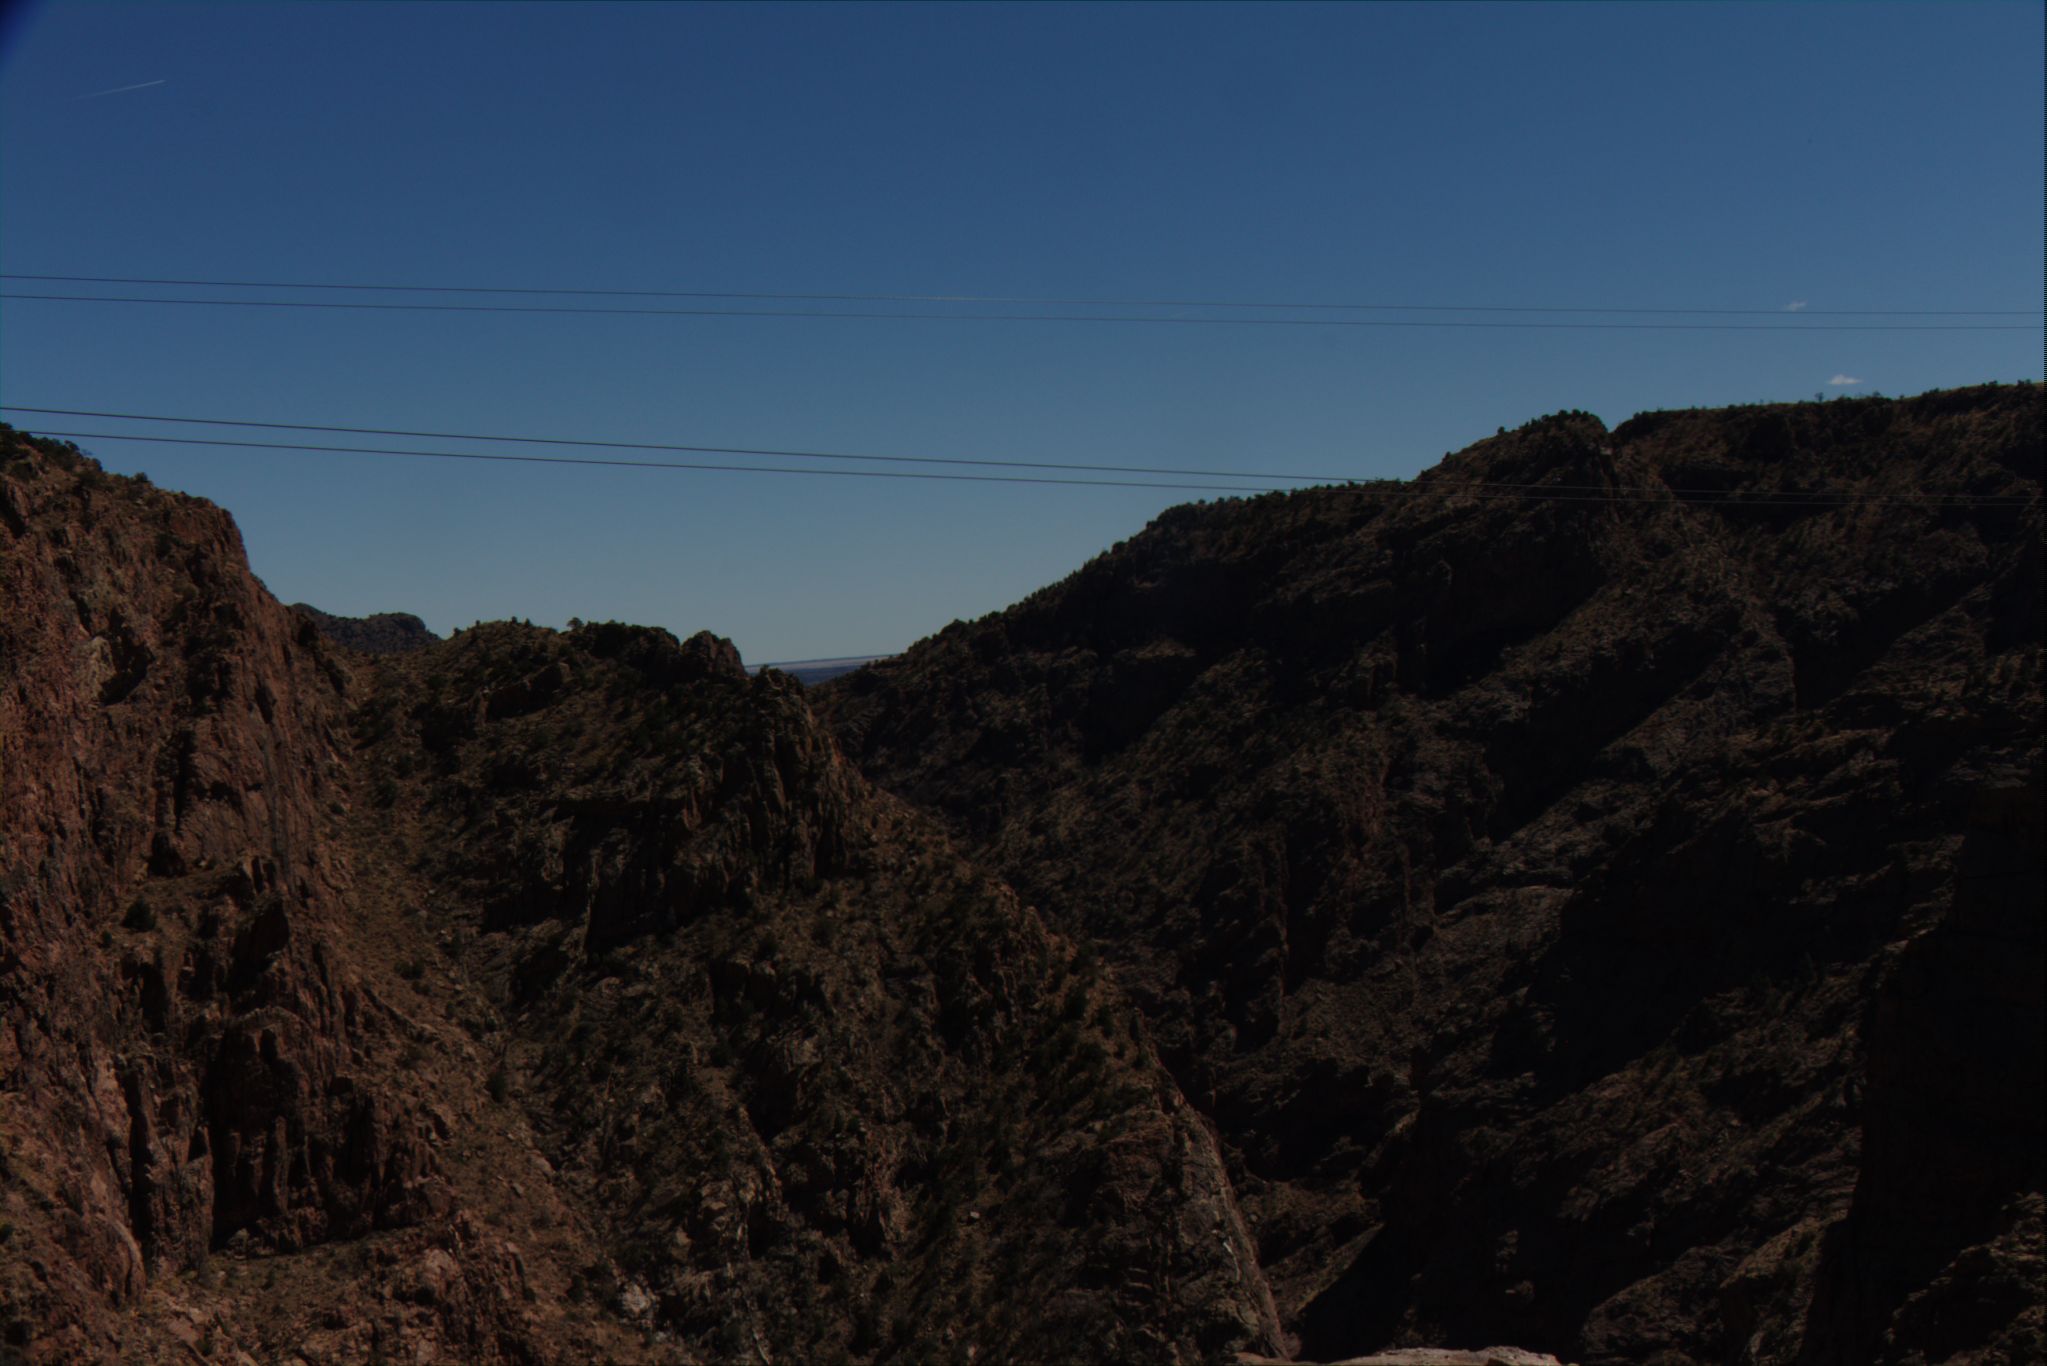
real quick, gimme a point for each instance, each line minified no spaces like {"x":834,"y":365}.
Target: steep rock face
{"x":188,"y":1060}
{"x":204,"y":1081}
{"x":1573,"y":921}
{"x":1521,"y":867}
{"x":831,"y":1092}
{"x":531,"y":997}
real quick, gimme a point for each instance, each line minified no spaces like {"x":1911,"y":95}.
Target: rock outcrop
{"x":195,"y":1061}
{"x":1586,"y":898}
{"x":1564,"y":881}
{"x":385,"y":633}
{"x":528,"y":998}
{"x":827,"y":1089}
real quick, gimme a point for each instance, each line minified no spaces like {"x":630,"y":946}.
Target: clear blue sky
{"x":1704,"y":156}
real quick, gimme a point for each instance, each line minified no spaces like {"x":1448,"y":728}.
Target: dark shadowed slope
{"x":1604,"y":921}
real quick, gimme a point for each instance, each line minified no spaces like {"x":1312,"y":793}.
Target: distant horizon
{"x":859,"y":659}
{"x":855,"y":659}
{"x":845,"y":659}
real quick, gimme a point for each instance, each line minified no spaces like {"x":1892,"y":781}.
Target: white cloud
{"x":1841,"y":381}
{"x":1795,"y":306}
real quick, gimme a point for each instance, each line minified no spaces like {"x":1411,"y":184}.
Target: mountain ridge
{"x":1341,"y":922}
{"x":530,"y":997}
{"x":1295,"y":759}
{"x":381,"y":633}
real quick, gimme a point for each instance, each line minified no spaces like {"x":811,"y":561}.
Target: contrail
{"x":119,"y":90}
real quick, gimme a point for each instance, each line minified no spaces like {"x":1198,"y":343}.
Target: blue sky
{"x":1627,"y":156}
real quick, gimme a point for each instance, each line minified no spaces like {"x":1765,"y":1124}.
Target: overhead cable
{"x":1033,"y":300}
{"x":1648,"y":494}
{"x":1164,"y":320}
{"x":1428,"y":480}
{"x":660,"y":464}
{"x":692,"y":449}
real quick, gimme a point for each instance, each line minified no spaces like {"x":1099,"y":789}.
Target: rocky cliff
{"x":832,"y":1091}
{"x":527,"y":998}
{"x":1591,"y":891}
{"x":1585,"y":898}
{"x":213,"y":1130}
{"x":385,"y":633}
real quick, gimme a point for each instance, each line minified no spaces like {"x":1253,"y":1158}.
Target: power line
{"x":1391,"y":488}
{"x":1039,"y":300}
{"x":1654,"y":490}
{"x":663,"y":464}
{"x":690,"y":449}
{"x":1158,"y":320}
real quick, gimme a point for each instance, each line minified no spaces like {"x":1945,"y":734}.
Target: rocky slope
{"x":526,"y":998}
{"x":833,"y":1092}
{"x":1592,"y":891}
{"x":385,"y":633}
{"x":213,"y":1132}
{"x":1355,"y":922}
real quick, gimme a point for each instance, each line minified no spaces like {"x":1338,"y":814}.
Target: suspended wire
{"x":666,"y":464}
{"x":1158,"y":320}
{"x":1427,"y":480}
{"x":692,"y":449}
{"x":1391,"y":488}
{"x":1039,"y":300}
